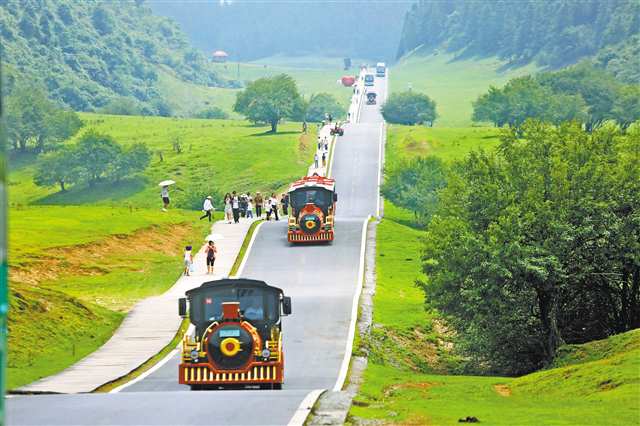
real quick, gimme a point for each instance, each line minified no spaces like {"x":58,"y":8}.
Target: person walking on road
{"x":324,"y":159}
{"x":315,"y":160}
{"x":259,"y":202}
{"x":188,"y":261}
{"x":212,"y":252}
{"x":249,"y":206}
{"x":164,"y":194}
{"x":268,"y":208}
{"x":228,"y":209}
{"x":235,"y":207}
{"x":304,"y":127}
{"x":274,"y":206}
{"x":207,"y":208}
{"x":285,"y":204}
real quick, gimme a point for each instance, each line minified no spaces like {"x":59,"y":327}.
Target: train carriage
{"x":313,"y":207}
{"x":238,"y":335}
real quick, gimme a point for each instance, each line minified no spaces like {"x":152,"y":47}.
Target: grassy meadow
{"x":80,"y":259}
{"x":453,"y":83}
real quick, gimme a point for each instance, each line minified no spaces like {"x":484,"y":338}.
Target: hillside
{"x":89,"y":53}
{"x":552,"y":34}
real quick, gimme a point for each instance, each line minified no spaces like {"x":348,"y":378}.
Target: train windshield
{"x":321,"y":197}
{"x":368,"y":78}
{"x":256,"y":304}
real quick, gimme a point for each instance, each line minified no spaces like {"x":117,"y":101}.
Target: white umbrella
{"x":167,"y":183}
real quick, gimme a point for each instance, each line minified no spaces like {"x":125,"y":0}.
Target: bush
{"x":321,"y":104}
{"x":123,"y":106}
{"x":213,"y":113}
{"x":409,"y":108}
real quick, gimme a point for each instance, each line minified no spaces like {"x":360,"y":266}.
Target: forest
{"x":550,"y":33}
{"x":88,"y":54}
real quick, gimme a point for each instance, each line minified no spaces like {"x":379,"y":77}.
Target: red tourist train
{"x":238,"y":335}
{"x":313,"y":207}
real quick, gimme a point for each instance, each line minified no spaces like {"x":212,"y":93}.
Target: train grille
{"x":320,"y":236}
{"x":256,"y":374}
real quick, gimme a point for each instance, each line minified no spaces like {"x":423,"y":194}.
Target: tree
{"x":213,"y":113}
{"x":626,"y":107}
{"x":57,"y":168}
{"x":409,"y":108}
{"x":321,"y":104}
{"x":33,"y":120}
{"x":269,"y":100}
{"x":133,"y":159}
{"x":122,"y":106}
{"x":415,"y":185}
{"x":538,"y":244}
{"x":96,"y":153}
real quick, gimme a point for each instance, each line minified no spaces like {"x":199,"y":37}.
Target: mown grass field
{"x":217,"y":155}
{"x":312,"y":74}
{"x":603,"y":389}
{"x":81,"y":259}
{"x":453,"y":83}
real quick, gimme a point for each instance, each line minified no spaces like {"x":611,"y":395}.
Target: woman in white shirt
{"x":274,"y":206}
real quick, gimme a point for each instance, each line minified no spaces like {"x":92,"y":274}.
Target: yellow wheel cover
{"x":230,"y":346}
{"x":310,"y":224}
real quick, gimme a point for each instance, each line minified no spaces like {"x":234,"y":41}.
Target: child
{"x":212,"y":251}
{"x":188,"y":260}
{"x":249,"y":207}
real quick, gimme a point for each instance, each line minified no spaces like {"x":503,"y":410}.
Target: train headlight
{"x":266,"y":353}
{"x":194,"y":355}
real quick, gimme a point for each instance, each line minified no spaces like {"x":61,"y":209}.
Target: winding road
{"x":323,"y":282}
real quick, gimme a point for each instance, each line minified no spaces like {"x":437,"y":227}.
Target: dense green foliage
{"x":269,"y":100}
{"x":552,"y":33}
{"x":582,"y":93}
{"x":409,"y":108}
{"x":35,"y":123}
{"x":94,"y":158}
{"x":213,"y":113}
{"x":321,"y":104}
{"x":538,"y":244}
{"x":414,"y":185}
{"x":87,"y":53}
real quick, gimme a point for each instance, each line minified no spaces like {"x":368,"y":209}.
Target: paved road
{"x":322,"y":281}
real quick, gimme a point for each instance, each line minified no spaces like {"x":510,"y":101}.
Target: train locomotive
{"x":312,"y":201}
{"x":238,"y":335}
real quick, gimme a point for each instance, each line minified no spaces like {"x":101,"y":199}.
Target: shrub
{"x":409,"y":108}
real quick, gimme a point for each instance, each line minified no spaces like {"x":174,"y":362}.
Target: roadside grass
{"x":35,"y":230}
{"x":449,"y":144}
{"x":68,"y":302}
{"x":216,"y":156}
{"x":244,"y":247}
{"x":603,"y":391}
{"x":453,"y":83}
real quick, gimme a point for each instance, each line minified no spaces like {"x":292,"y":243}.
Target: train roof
{"x":314,"y":181}
{"x":233,"y":282}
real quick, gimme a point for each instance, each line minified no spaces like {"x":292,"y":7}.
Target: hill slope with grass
{"x":87,"y":54}
{"x":80,"y":259}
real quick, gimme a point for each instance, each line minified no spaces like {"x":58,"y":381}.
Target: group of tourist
{"x":243,"y":205}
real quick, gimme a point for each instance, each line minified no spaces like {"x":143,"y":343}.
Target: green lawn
{"x":452,"y":83}
{"x":604,"y":391}
{"x":217,"y":155}
{"x":81,"y":259}
{"x":313,"y":75}
{"x":449,"y":144}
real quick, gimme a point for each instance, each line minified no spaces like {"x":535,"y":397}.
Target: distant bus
{"x":368,"y":80}
{"x":381,"y":69}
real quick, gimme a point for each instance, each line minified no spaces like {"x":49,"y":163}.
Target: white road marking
{"x":305,"y":407}
{"x":342,"y":376}
{"x":246,"y":253}
{"x":148,"y":372}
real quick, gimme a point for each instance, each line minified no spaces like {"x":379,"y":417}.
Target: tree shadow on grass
{"x":112,"y":191}
{"x":269,"y":133}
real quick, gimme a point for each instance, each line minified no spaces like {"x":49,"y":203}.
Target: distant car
{"x":381,"y":69}
{"x":371,"y":98}
{"x":369,"y":79}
